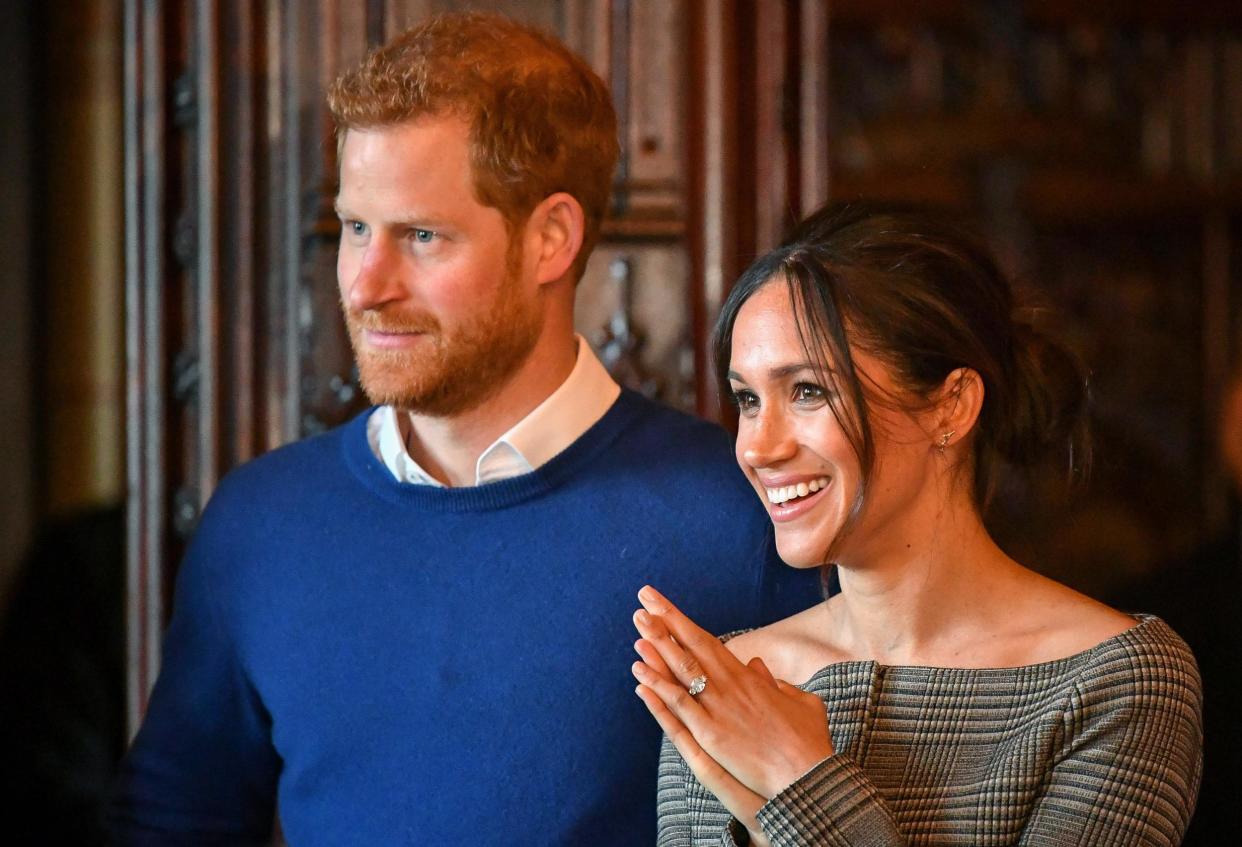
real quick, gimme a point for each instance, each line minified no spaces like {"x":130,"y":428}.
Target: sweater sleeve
{"x":1131,"y":754}
{"x":202,"y":769}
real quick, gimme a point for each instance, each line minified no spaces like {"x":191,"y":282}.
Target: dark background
{"x":169,"y":309}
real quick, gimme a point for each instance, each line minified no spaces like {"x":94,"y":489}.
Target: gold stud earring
{"x":945,"y":437}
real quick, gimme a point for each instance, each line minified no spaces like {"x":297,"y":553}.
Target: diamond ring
{"x":697,"y":685}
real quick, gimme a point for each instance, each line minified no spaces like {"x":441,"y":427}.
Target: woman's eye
{"x":745,"y":400}
{"x":806,"y":392}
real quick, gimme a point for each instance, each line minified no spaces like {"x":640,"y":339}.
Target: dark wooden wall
{"x":16,"y":344}
{"x":1102,"y":154}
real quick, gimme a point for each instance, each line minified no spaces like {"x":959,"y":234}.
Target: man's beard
{"x":447,"y":374}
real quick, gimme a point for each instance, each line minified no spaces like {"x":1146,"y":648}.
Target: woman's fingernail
{"x":640,"y":670}
{"x":642,"y":617}
{"x":649,"y":595}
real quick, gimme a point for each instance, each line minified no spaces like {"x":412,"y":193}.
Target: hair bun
{"x":1049,"y":395}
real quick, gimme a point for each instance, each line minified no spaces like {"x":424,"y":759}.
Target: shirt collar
{"x":560,"y":420}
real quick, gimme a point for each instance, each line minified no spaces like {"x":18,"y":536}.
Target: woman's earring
{"x":945,"y":437}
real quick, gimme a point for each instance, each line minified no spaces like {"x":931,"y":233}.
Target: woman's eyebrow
{"x":780,"y":371}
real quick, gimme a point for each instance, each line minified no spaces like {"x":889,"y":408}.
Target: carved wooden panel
{"x":631,"y":307}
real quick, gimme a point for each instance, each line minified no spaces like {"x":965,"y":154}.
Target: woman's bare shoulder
{"x":1064,"y":621}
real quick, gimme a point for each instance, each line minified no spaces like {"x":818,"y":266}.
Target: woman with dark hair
{"x":884,"y":381}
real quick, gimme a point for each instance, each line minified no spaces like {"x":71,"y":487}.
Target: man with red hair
{"x":412,"y":629}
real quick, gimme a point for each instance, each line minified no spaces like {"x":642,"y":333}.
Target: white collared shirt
{"x":582,"y":399}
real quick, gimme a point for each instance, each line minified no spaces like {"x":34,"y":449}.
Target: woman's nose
{"x":765,"y":439}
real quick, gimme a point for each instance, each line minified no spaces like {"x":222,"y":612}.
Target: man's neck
{"x":448,"y":448}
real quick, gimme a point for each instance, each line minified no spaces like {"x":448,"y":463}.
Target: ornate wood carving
{"x":619,"y":342}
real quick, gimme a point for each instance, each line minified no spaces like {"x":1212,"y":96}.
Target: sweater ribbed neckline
{"x":372,"y":473}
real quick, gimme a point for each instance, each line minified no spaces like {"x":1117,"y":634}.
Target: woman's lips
{"x":792,"y":509}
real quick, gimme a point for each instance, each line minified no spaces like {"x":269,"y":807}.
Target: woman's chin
{"x":799,"y":558}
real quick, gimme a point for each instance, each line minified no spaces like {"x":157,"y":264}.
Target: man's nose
{"x":378,"y":280}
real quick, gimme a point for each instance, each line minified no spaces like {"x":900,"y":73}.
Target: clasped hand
{"x":747,"y":735}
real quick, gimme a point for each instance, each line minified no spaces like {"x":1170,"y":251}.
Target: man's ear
{"x":957,"y":405}
{"x":554,"y":231}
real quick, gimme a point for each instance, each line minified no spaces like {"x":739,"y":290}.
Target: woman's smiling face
{"x":798,"y":456}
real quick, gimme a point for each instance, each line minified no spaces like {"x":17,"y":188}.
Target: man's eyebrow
{"x":407,"y":219}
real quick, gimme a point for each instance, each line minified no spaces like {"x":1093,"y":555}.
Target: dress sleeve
{"x":672,"y":806}
{"x":832,"y":805}
{"x":835,"y":805}
{"x":1131,"y":753}
{"x":202,"y":769}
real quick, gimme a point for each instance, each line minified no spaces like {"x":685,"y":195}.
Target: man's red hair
{"x":541,"y":121}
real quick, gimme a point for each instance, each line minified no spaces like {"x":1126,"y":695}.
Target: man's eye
{"x":423,"y":236}
{"x":357,"y":227}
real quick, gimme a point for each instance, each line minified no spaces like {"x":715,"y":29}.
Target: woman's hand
{"x":746,"y":733}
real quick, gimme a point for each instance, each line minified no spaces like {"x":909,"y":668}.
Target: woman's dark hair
{"x":926,"y":299}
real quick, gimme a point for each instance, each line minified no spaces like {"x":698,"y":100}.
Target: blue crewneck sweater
{"x":403,"y":664}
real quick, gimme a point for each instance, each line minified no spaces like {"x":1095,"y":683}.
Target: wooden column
{"x":714,"y":230}
{"x":146,"y":122}
{"x":813,"y":100}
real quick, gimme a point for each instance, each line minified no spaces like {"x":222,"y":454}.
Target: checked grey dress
{"x":1103,"y":748}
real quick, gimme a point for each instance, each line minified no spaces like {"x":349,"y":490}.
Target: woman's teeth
{"x":790,"y":492}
